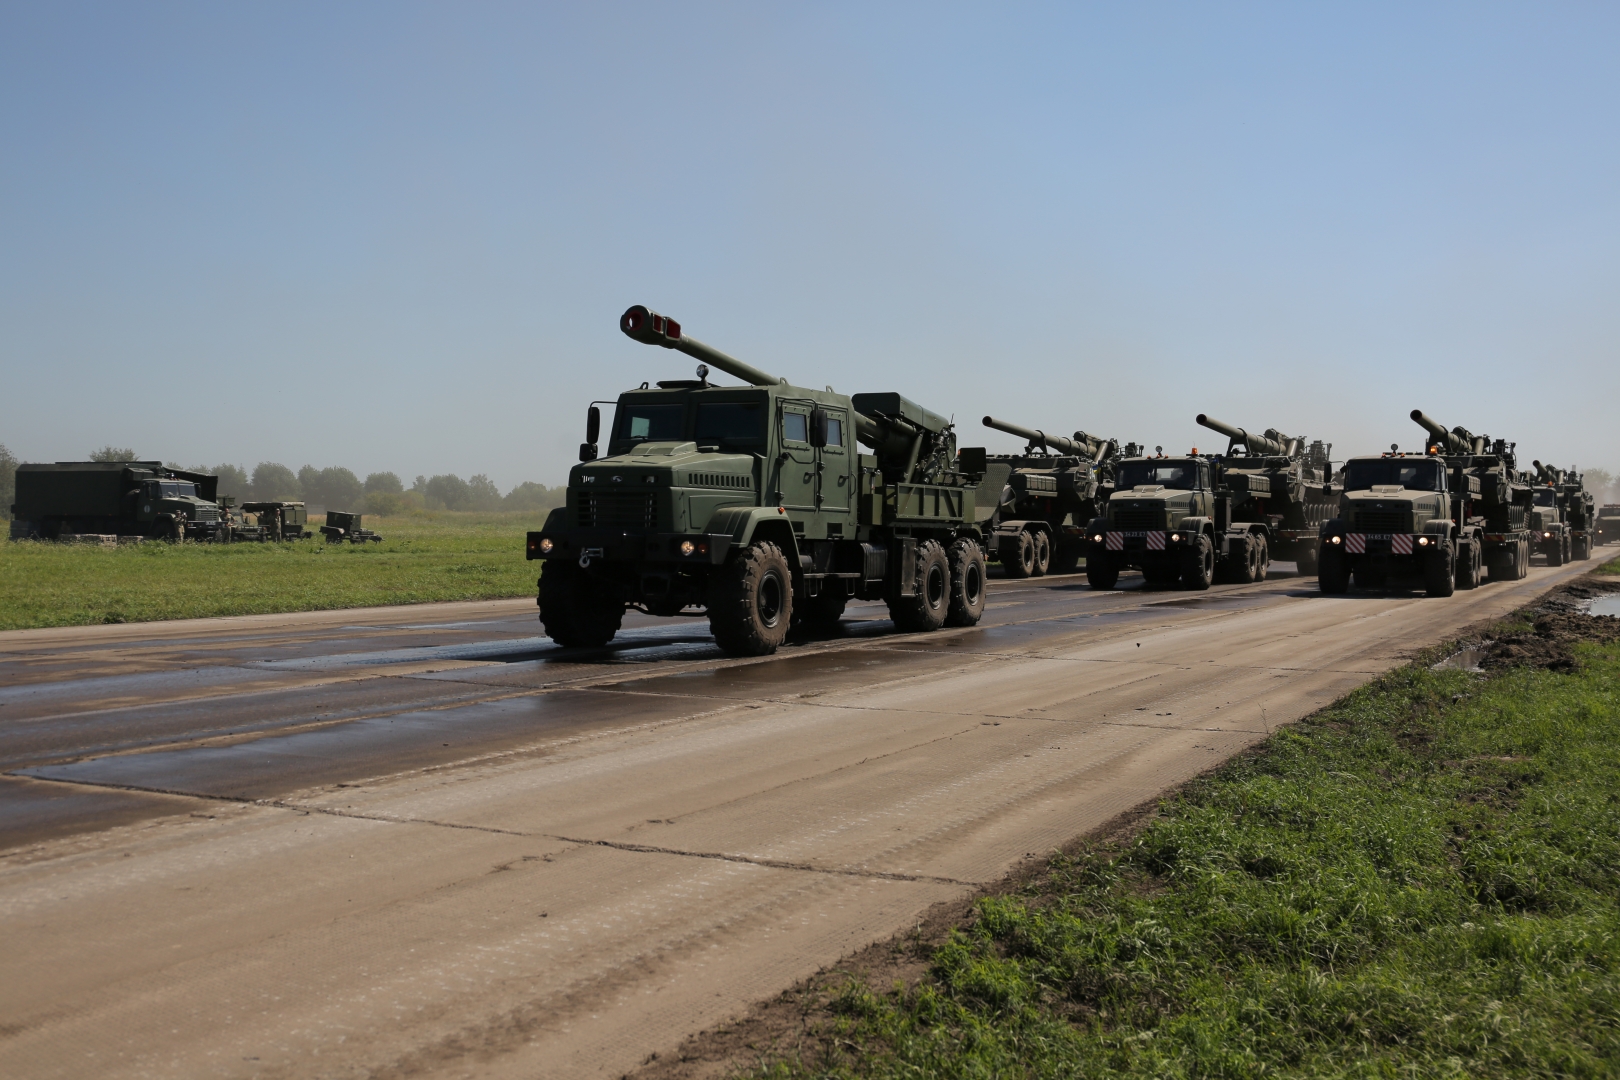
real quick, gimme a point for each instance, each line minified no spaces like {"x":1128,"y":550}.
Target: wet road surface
{"x":426,"y":839}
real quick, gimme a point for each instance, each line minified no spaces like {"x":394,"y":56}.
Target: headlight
{"x":1097,"y":539}
{"x":546,"y":544}
{"x":1334,"y":540}
{"x":1546,"y":536}
{"x":1423,"y":541}
{"x":1175,"y":536}
{"x":687,"y":547}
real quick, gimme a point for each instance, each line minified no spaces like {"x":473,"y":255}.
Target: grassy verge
{"x":1421,"y":880}
{"x":446,"y":556}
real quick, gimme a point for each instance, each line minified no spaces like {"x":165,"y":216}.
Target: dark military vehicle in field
{"x":754,"y":504}
{"x":1036,"y":505}
{"x":1279,"y":481}
{"x":1442,"y":515}
{"x":113,"y":498}
{"x":270,"y":521}
{"x":344,"y":527}
{"x":1564,"y":490}
{"x":1172,"y":518}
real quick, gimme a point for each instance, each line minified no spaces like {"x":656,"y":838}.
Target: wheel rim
{"x":770,"y":599}
{"x":936,"y":586}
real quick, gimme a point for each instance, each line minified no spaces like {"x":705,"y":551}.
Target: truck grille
{"x":719,"y":480}
{"x":1139,"y":519}
{"x":618,"y":510}
{"x":1383,"y":521}
{"x":207,"y":513}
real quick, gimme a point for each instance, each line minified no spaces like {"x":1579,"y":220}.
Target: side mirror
{"x":593,"y":431}
{"x":818,"y":427}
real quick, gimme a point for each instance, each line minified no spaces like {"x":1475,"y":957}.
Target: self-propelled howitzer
{"x":1442,"y":515}
{"x":1035,"y":505}
{"x":754,"y":504}
{"x":1280,"y":484}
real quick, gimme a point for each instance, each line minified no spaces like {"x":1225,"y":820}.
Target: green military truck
{"x":1608,"y":523}
{"x":1442,"y":515}
{"x":1282,"y":482}
{"x":270,"y":521}
{"x":1047,"y":496}
{"x":122,"y":498}
{"x":1576,"y":510}
{"x":1173,"y":519}
{"x":753,"y":504}
{"x":1550,"y":533}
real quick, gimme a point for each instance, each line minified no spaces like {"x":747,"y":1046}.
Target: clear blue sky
{"x":398,"y":236}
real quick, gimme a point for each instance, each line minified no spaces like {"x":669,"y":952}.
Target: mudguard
{"x":744,"y":523}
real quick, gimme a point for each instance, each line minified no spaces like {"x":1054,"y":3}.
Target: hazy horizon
{"x":398,"y":236}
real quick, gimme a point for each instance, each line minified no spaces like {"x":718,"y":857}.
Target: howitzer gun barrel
{"x":1458,"y":441}
{"x":1035,"y":436}
{"x":1256,"y":444}
{"x":651,"y":328}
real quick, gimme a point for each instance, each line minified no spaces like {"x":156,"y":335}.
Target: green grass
{"x":445,"y":556}
{"x":1420,"y":881}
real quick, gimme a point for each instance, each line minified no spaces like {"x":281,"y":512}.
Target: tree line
{"x":337,"y":488}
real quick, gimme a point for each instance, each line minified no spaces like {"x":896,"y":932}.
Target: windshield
{"x":731,"y":423}
{"x":651,"y":423}
{"x":1546,"y":497}
{"x":1419,"y":474}
{"x":175,"y":489}
{"x":1170,"y":474}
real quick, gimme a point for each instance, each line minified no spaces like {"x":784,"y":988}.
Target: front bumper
{"x":586,"y":546}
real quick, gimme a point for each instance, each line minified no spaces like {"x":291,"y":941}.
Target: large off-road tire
{"x":1555,"y":555}
{"x":577,"y":610}
{"x":1017,"y":554}
{"x":1440,"y":571}
{"x":1101,"y":570}
{"x":1262,"y":562}
{"x":822,"y":611}
{"x":967,"y":584}
{"x":1198,"y":564}
{"x":927,"y":609}
{"x":1066,"y":557}
{"x":751,"y":601}
{"x":1468,"y":564}
{"x":1308,"y":560}
{"x":1043,"y":554}
{"x":1581,"y":548}
{"x":1332,"y":572}
{"x":1241,"y":564}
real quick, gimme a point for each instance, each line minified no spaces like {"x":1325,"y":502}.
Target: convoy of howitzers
{"x":756,"y":505}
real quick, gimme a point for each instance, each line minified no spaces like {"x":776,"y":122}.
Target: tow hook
{"x":587,"y":555}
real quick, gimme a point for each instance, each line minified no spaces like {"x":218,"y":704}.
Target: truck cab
{"x":174,"y":504}
{"x":1402,"y":515}
{"x":1550,"y":533}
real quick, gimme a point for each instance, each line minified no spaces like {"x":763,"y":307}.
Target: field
{"x":1421,"y":880}
{"x":424,"y":557}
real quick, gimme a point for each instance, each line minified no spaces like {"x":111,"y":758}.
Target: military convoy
{"x":1608,"y":523}
{"x":115,"y":498}
{"x":1444,"y":515}
{"x":1282,"y":482}
{"x":1564,"y":519}
{"x":754,"y":505}
{"x":1036,"y":505}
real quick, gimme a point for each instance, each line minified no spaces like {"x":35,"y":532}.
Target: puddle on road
{"x":1605,"y":605}
{"x":1466,"y":659}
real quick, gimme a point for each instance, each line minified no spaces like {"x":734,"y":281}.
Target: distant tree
{"x":482,"y":494}
{"x":384,"y":482}
{"x":1600,"y":482}
{"x":273,"y":482}
{"x":420,"y":484}
{"x":233,"y":480}
{"x":530,"y":496}
{"x":448,"y":492}
{"x":332,"y":488}
{"x":113,"y":453}
{"x":8,"y":481}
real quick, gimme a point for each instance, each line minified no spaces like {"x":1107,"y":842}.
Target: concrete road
{"x":424,"y":840}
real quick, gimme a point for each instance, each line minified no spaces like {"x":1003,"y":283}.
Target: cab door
{"x":796,"y":461}
{"x":836,"y":463}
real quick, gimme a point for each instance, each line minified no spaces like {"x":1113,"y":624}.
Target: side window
{"x":835,"y":432}
{"x":1203,"y":476}
{"x":795,"y":427}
